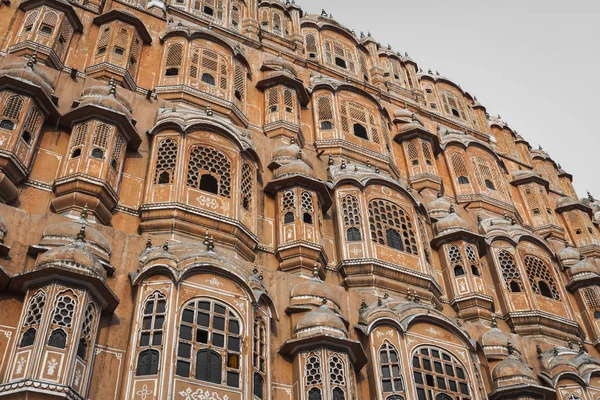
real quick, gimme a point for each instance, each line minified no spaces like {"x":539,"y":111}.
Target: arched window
{"x":394,"y":397}
{"x":49,"y":22}
{"x":35,"y":309}
{"x":30,"y":19}
{"x":338,"y":394}
{"x":166,"y":162}
{"x":58,"y":339}
{"x":12,"y":111}
{"x":236,"y":15}
{"x":460,"y":168}
{"x":452,"y":105}
{"x":459,"y":270}
{"x":147,"y":363}
{"x":443,"y":396}
{"x":314,"y":376}
{"x":310,"y":41}
{"x":209,"y":170}
{"x":487,"y":176}
{"x":389,"y":363}
{"x":174,"y":56}
{"x":153,"y":320}
{"x":307,"y":208}
{"x":337,"y":375}
{"x":359,"y":121}
{"x":353,"y":235}
{"x":210,"y":67}
{"x":87,"y":327}
{"x":63,"y":313}
{"x":437,"y":371}
{"x":246,"y":187}
{"x":325,"y":112}
{"x":489,"y":184}
{"x":463,"y":180}
{"x":239,"y":82}
{"x":289,"y":206}
{"x":209,"y":343}
{"x":259,"y":360}
{"x":456,"y":260}
{"x":473,"y":259}
{"x":391,"y":226}
{"x":540,"y":278}
{"x":510,"y":272}
{"x":32,"y":126}
{"x":591,"y":296}
{"x":336,"y":55}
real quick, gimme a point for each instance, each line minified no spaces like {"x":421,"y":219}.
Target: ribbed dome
{"x":74,"y":256}
{"x":287,"y":153}
{"x":521,"y":174}
{"x":63,"y":233}
{"x":512,"y":367}
{"x":451,"y":222}
{"x":106,"y":97}
{"x":582,"y":267}
{"x":313,"y":288}
{"x":296,"y":167}
{"x":323,"y":320}
{"x":569,"y":255}
{"x":439,"y":208}
{"x":278,"y":63}
{"x":26,"y":71}
{"x":494,"y":338}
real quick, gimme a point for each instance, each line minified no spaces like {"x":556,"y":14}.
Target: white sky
{"x":534,"y":62}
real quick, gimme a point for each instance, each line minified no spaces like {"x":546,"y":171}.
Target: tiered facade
{"x":235,"y":199}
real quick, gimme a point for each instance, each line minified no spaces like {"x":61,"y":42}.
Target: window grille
{"x":207,"y":161}
{"x":310,"y":41}
{"x":240,"y":82}
{"x":413,"y":153}
{"x":325,"y":112}
{"x":118,"y":152}
{"x":540,"y":278}
{"x":87,"y":327}
{"x":101,"y":136}
{"x":351,"y":211}
{"x":591,"y":296}
{"x":473,"y":259}
{"x":438,"y":373}
{"x":353,"y":114}
{"x":307,"y":202}
{"x":205,"y":63}
{"x":33,"y":316}
{"x":153,"y":320}
{"x":63,"y":313}
{"x":289,"y":201}
{"x":30,"y":19}
{"x":460,"y":168}
{"x":246,"y":187}
{"x":103,"y":40}
{"x":314,"y":376}
{"x":166,"y":162}
{"x":13,"y":107}
{"x":364,"y":70}
{"x":209,"y":343}
{"x":390,"y":369}
{"x":236,"y":12}
{"x":259,"y":360}
{"x":452,"y":105}
{"x":174,"y":56}
{"x":391,"y":226}
{"x":136,"y":49}
{"x":510,"y":272}
{"x":49,"y":21}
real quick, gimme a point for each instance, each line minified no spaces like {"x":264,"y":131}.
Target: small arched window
{"x":459,"y":270}
{"x":98,"y":153}
{"x":353,"y":235}
{"x":307,"y":208}
{"x":28,"y":338}
{"x":208,"y":78}
{"x":166,"y":162}
{"x":510,"y":271}
{"x":147,"y":363}
{"x":58,"y":339}
{"x":338,"y":394}
{"x":490,"y":185}
{"x":340,"y":62}
{"x":325,"y":112}
{"x":540,"y":278}
{"x":360,"y":131}
{"x":258,"y":385}
{"x":209,"y":183}
{"x":314,"y":376}
{"x":87,"y":328}
{"x":326,"y":125}
{"x":307,"y":218}
{"x":288,"y":218}
{"x":209,"y":170}
{"x":35,"y":310}
{"x":174,"y":56}
{"x":393,"y":239}
{"x":389,"y":362}
{"x":463,"y":180}
{"x":475,"y":270}
{"x":259,"y":360}
{"x":314,"y":394}
{"x":208,"y":366}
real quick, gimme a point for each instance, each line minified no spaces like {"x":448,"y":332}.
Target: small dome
{"x":25,"y":70}
{"x":296,"y":167}
{"x":403,"y":113}
{"x":106,"y":97}
{"x":569,"y":256}
{"x":582,"y":267}
{"x":74,"y":256}
{"x":439,"y":208}
{"x":414,"y":124}
{"x":63,"y":233}
{"x":523,"y":173}
{"x":494,"y":338}
{"x":451,"y":222}
{"x":287,"y":153}
{"x":278,"y":63}
{"x":566,"y":201}
{"x":312,"y":289}
{"x":323,"y":320}
{"x":512,"y":367}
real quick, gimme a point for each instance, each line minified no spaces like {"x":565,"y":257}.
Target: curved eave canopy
{"x":460,"y":234}
{"x":90,"y":110}
{"x":418,"y":131}
{"x":323,"y":24}
{"x":530,"y":178}
{"x":583,"y":279}
{"x":338,"y":86}
{"x":23,"y":86}
{"x":302,"y":180}
{"x":575,"y":206}
{"x":523,"y":391}
{"x":57,"y":5}
{"x":354,"y":348}
{"x":128,"y":18}
{"x":21,"y":282}
{"x":281,"y":77}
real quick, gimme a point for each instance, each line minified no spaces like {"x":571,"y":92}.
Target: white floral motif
{"x":410,"y":342}
{"x":240,"y":304}
{"x":144,"y":392}
{"x":214,"y":282}
{"x":290,"y":233}
{"x":51,"y":366}
{"x":433,"y":332}
{"x":207,"y":202}
{"x":200,"y":394}
{"x":20,"y":365}
{"x":387,"y":333}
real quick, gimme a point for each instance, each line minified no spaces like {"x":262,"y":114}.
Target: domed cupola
{"x":311,"y":293}
{"x":28,"y":76}
{"x":454,"y":227}
{"x":438,"y":208}
{"x":569,"y":256}
{"x":494,"y":343}
{"x":285,"y":154}
{"x":297,"y":167}
{"x":321,"y":321}
{"x":582,"y":272}
{"x":513,"y":371}
{"x":72,"y":263}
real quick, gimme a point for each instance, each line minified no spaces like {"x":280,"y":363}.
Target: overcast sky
{"x":534,"y":62}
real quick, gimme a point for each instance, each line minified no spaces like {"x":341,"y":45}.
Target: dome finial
{"x":538,"y":350}
{"x":315,"y":271}
{"x":509,"y":347}
{"x":379,"y":301}
{"x":112,"y":85}
{"x":81,"y":234}
{"x":149,"y":242}
{"x":451,"y":210}
{"x":569,"y":343}
{"x":494,"y":322}
{"x":581,"y":348}
{"x":32,"y":60}
{"x":84,"y":213}
{"x":324,"y":301}
{"x":166,"y":245}
{"x":590,"y":197}
{"x":363,"y":304}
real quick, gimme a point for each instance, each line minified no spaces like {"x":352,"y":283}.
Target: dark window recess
{"x":26,"y":136}
{"x":455,"y":113}
{"x":463,"y":180}
{"x":207,"y":10}
{"x":46,"y":29}
{"x":6,"y":124}
{"x":340,"y":62}
{"x":82,"y":348}
{"x":259,"y":383}
{"x":326,"y":125}
{"x":394,"y":240}
{"x":113,"y":164}
{"x":314,"y":394}
{"x":58,"y":339}
{"x":545,"y":289}
{"x":28,"y":338}
{"x":288,"y":218}
{"x":208,"y":366}
{"x":147,"y":363}
{"x":353,"y":235}
{"x":360,"y":131}
{"x":101,"y":50}
{"x":475,"y":270}
{"x":515,"y":287}
{"x":238,"y":95}
{"x":338,"y":394}
{"x":208,"y":79}
{"x":209,"y":183}
{"x":164,"y":177}
{"x":97,"y":153}
{"x":459,"y":270}
{"x":415,"y":162}
{"x":273,"y":109}
{"x":489,"y":184}
{"x":76,"y":153}
{"x":118,"y":51}
{"x":172,"y":72}
{"x":307,"y":218}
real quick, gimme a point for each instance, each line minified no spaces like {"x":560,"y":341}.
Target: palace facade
{"x":236,"y":199}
